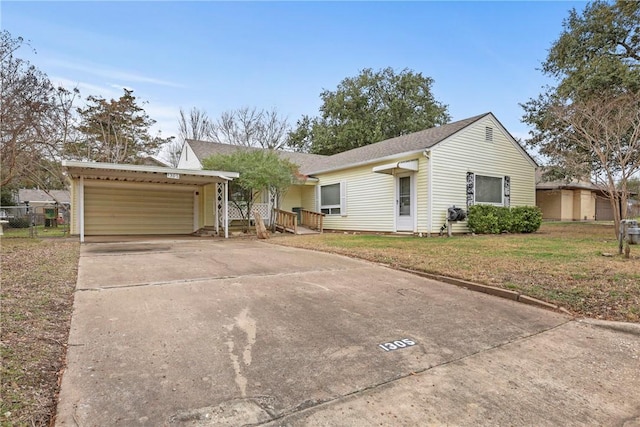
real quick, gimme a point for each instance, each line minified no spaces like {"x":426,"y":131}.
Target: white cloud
{"x":111,"y":73}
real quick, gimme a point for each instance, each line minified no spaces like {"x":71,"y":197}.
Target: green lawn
{"x":563,"y":263}
{"x":38,"y":231}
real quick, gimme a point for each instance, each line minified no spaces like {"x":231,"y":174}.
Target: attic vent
{"x":488,"y":134}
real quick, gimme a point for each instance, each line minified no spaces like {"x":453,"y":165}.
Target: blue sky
{"x":218,"y":56}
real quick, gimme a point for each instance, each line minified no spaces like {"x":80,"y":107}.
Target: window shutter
{"x":317,"y":207}
{"x":507,"y":191}
{"x":343,"y":198}
{"x":470,"y":189}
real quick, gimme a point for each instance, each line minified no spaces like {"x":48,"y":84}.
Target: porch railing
{"x":286,"y":220}
{"x":313,"y":220}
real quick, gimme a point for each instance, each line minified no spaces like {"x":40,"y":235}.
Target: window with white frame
{"x":330,"y":199}
{"x":489,"y":190}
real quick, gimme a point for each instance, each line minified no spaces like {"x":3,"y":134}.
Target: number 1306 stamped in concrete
{"x":397,"y":345}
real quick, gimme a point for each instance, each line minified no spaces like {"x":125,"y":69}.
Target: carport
{"x":122,"y":199}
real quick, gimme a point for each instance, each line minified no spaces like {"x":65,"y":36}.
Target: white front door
{"x":405,"y":202}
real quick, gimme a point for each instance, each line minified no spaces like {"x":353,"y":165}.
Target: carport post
{"x":226,"y":209}
{"x":81,"y":208}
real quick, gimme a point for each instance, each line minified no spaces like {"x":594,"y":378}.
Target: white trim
{"x":475,"y":189}
{"x":397,"y":167}
{"x":149,"y":169}
{"x":81,"y":208}
{"x":414,"y":207}
{"x":196,"y":209}
{"x":226,"y":209}
{"x":343,"y":198}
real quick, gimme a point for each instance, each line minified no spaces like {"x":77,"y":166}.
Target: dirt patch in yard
{"x":38,"y":280}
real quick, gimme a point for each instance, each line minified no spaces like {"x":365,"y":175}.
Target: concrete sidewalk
{"x":206,"y":332}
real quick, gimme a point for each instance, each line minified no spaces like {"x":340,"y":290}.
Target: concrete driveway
{"x":209,"y":332}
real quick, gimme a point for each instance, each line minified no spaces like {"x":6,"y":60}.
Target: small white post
{"x":81,"y":208}
{"x":226,"y":209}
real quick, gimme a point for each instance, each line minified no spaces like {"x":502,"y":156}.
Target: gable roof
{"x":204,"y":149}
{"x":311,"y":164}
{"x":412,"y":142}
{"x":34,"y":195}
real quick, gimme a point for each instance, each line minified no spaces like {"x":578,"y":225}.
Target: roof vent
{"x":488,"y":134}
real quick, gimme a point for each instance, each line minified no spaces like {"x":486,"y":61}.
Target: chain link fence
{"x":36,"y":218}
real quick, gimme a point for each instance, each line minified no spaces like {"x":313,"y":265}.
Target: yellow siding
{"x":292,"y":198}
{"x":138,"y":209}
{"x":371,"y":198}
{"x":308,"y":198}
{"x":208,"y":198}
{"x":422,"y":194}
{"x":467,"y":151}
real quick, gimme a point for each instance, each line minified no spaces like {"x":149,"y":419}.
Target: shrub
{"x":19,"y":223}
{"x":483,"y":219}
{"x":489,"y":219}
{"x":525,"y":219}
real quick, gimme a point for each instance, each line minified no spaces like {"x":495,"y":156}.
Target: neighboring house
{"x":36,"y":197}
{"x":576,"y":200}
{"x":406,"y":184}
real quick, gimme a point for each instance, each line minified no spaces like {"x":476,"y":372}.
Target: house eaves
{"x":205,"y":149}
{"x":144,"y":173}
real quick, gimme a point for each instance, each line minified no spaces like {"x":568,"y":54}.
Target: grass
{"x":562,"y":263}
{"x":38,"y":279}
{"x":39,"y":231}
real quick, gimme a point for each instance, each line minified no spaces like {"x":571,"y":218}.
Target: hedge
{"x":489,"y":219}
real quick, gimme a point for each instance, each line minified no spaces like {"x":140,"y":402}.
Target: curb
{"x":490,"y":290}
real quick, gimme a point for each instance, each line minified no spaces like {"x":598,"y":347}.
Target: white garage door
{"x":120,"y":210}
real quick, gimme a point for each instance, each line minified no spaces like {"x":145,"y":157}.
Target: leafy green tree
{"x":260,"y":170}
{"x":588,"y":124}
{"x":368,"y":108}
{"x":115,"y":131}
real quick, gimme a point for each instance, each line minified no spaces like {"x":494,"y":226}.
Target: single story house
{"x":407,"y":183}
{"x":118,"y":199}
{"x":577,"y":200}
{"x":36,"y":197}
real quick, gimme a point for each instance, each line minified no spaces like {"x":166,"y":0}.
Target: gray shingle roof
{"x":312,"y":163}
{"x":402,"y":144}
{"x":204,"y":149}
{"x":34,"y":195}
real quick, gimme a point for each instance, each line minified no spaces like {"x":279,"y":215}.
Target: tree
{"x":368,"y":108}
{"x":251,"y":127}
{"x":35,"y":121}
{"x":260,"y":170}
{"x":195,"y":125}
{"x":115,"y":131}
{"x":587,"y":125}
